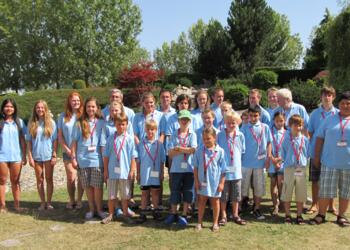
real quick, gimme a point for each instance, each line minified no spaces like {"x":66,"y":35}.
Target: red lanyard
{"x":229,"y":144}
{"x":183,"y":142}
{"x":342,"y":128}
{"x":148,"y":151}
{"x":277,"y":146}
{"x":92,"y":132}
{"x":297,"y":154}
{"x":323,"y":114}
{"x":118,"y":152}
{"x":258,"y":140}
{"x":206,"y":165}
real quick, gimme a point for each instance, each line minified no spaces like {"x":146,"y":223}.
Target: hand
{"x":161,"y":140}
{"x":220,"y":187}
{"x":197,"y":186}
{"x":53,"y":161}
{"x":267,"y":163}
{"x":131,"y":176}
{"x":24,"y":160}
{"x":31,"y":162}
{"x":105,"y":176}
{"x":278,"y":165}
{"x":317,"y":162}
{"x":68,"y":152}
{"x":74,"y":163}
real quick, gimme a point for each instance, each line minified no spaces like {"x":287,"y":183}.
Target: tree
{"x":316,"y":55}
{"x":338,"y":50}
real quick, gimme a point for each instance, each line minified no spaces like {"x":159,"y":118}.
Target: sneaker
{"x":131,"y":213}
{"x":102,"y":214}
{"x":258,"y":215}
{"x":89,"y":215}
{"x":118,"y":212}
{"x":182,"y":221}
{"x":171,"y":219}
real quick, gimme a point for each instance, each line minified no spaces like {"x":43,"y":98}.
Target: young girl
{"x":202,"y":101}
{"x":276,"y":170}
{"x":12,"y":151}
{"x":115,"y":109}
{"x":225,"y":107}
{"x":42,"y":149}
{"x":73,"y":111}
{"x":209,"y":176}
{"x":245,"y":118}
{"x":87,"y":146}
{"x":208,"y":117}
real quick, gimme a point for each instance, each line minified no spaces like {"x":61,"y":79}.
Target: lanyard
{"x":324,"y":116}
{"x":229,"y":144}
{"x":206,"y":165}
{"x":92,"y":132}
{"x":297,"y":154}
{"x":118,"y":152}
{"x":342,"y":128}
{"x":148,"y":151}
{"x":182,"y":141}
{"x":277,"y":146}
{"x":258,"y":140}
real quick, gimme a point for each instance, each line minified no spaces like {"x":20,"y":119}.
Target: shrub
{"x":184,"y":81}
{"x":226,"y":83}
{"x":79,"y":84}
{"x":169,"y":86}
{"x":305,"y":93}
{"x":264,"y":79}
{"x":196,"y":79}
{"x":238,"y":95}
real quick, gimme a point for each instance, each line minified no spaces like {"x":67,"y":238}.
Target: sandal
{"x":223,"y":222}
{"x":107,"y":220}
{"x":300,"y":220}
{"x":288,"y":219}
{"x":275,"y":211}
{"x":343,"y":221}
{"x":238,"y":220}
{"x":50,"y":207}
{"x":215,"y":228}
{"x":318,"y":219}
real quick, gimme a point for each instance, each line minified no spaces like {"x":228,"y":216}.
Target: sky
{"x":164,"y":20}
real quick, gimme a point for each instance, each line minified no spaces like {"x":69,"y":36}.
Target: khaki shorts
{"x":292,"y":180}
{"x":258,"y":176}
{"x":118,"y":189}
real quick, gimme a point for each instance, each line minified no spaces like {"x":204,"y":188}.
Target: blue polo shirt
{"x":67,"y":128}
{"x":301,"y":150}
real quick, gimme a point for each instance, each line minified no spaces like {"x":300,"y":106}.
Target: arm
{"x":54,"y":153}
{"x":74,"y":151}
{"x":30,"y":156}
{"x":269,"y":155}
{"x":161,"y":138}
{"x":105,"y":168}
{"x":23,"y":144}
{"x":197,"y":185}
{"x":63,"y":143}
{"x":132,"y":170}
{"x":138,"y":177}
{"x":162,"y":171}
{"x":221,"y":183}
{"x":186,"y":150}
{"x":318,"y":150}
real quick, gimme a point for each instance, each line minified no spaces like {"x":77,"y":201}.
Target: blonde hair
{"x":116,"y":104}
{"x":84,"y":119}
{"x":147,"y":95}
{"x":272,"y":89}
{"x":233,"y":116}
{"x":151,"y":124}
{"x":34,"y":121}
{"x":226,"y":104}
{"x":296,"y":120}
{"x":208,"y":111}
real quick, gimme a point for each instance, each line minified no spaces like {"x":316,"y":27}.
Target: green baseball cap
{"x":184,"y":114}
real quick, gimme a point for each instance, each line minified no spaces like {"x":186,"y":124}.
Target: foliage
{"x":169,"y":86}
{"x":79,"y":84}
{"x":306,"y":93}
{"x":184,"y":81}
{"x":264,"y":79}
{"x":338,"y":50}
{"x":195,"y":78}
{"x":237,"y":94}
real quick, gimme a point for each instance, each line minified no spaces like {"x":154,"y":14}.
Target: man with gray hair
{"x":117,"y":95}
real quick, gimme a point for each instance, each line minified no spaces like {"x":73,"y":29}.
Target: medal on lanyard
{"x":231,"y":167}
{"x":92,"y":147}
{"x":277,"y":146}
{"x":261,"y":155}
{"x":154,"y":172}
{"x":342,"y":142}
{"x":206,"y":165}
{"x":183,"y":143}
{"x":117,"y":152}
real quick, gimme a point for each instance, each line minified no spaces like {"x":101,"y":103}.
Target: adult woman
{"x":12,"y":151}
{"x":42,"y":148}
{"x":73,"y":111}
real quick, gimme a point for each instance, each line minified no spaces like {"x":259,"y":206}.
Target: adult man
{"x":254,"y":100}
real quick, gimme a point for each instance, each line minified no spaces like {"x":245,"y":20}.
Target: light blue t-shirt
{"x":218,"y":114}
{"x":182,"y":163}
{"x":199,"y":134}
{"x":265,"y":116}
{"x":110,"y":128}
{"x":278,"y":137}
{"x":86,"y":158}
{"x":10,"y":148}
{"x":216,"y":169}
{"x":140,"y":120}
{"x":333,"y":154}
{"x":236,"y":149}
{"x":197,"y":120}
{"x":173,"y":125}
{"x":147,"y":165}
{"x":163,"y":125}
{"x":295,"y":109}
{"x":67,"y":128}
{"x":271,"y":112}
{"x":317,"y":117}
{"x":119,"y":166}
{"x":128,"y":111}
{"x":301,"y":150}
{"x":255,"y":152}
{"x":42,"y":146}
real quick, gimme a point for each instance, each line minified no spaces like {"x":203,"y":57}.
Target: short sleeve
{"x":54,"y":135}
{"x":321,"y":131}
{"x":172,"y":142}
{"x":107,"y":149}
{"x":162,"y":153}
{"x":162,"y":125}
{"x":193,"y":140}
{"x":134,"y":153}
{"x":222,"y":162}
{"x":103,"y":136}
{"x":76,"y":132}
{"x":268,"y":134}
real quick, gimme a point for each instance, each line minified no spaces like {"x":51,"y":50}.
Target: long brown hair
{"x":68,"y":108}
{"x":34,"y":121}
{"x":84,"y":119}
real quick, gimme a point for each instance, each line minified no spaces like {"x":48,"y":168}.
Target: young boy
{"x":119,"y":167}
{"x":208,"y":117}
{"x":150,"y":168}
{"x":182,"y":145}
{"x":232,"y":141}
{"x":225,"y":107}
{"x":295,"y":151}
{"x":257,"y":156}
{"x":317,"y":117}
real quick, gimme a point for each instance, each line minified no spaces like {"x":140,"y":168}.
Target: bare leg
{"x":98,"y":194}
{"x":91,"y":198}
{"x":4,"y":171}
{"x":155,"y":197}
{"x":223,"y":205}
{"x":144,"y":199}
{"x":39,"y":174}
{"x":71,"y":178}
{"x":15,"y":173}
{"x":202,"y":200}
{"x":49,"y":180}
{"x":215,"y":204}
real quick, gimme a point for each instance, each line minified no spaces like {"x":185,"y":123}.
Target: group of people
{"x":211,"y":153}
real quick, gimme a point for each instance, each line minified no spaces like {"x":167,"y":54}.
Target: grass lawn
{"x":64,"y":229}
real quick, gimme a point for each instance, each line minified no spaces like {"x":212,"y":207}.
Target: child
{"x":208,"y":117}
{"x":42,"y":148}
{"x":257,"y":156}
{"x":295,"y":150}
{"x":150,"y":168}
{"x":182,"y":145}
{"x":275,"y":170}
{"x":87,"y":146}
{"x":272,"y":100}
{"x":209,"y":171}
{"x":245,"y":118}
{"x":232,"y":141}
{"x":119,"y":167}
{"x":202,"y":102}
{"x":225,"y":107}
{"x":217,"y":94}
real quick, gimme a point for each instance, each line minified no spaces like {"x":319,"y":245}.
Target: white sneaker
{"x":89,"y":215}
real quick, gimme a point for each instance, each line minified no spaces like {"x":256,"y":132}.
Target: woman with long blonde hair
{"x":42,"y":149}
{"x":72,"y":112}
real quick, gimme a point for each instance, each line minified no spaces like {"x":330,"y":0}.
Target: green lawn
{"x":62,"y":229}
